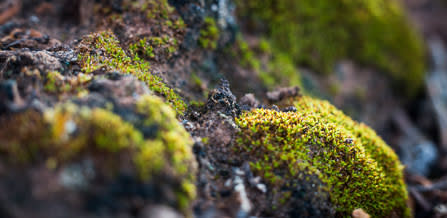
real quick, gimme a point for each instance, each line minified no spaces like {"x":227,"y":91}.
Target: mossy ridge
{"x":103,"y":50}
{"x":360,"y":170}
{"x":319,"y":33}
{"x":64,"y":133}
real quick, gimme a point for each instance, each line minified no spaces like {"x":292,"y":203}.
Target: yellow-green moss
{"x":142,"y":48}
{"x":66,"y":132}
{"x":209,"y":34}
{"x":153,"y":9}
{"x":320,"y":32}
{"x":176,"y":141}
{"x":146,"y":47}
{"x":103,"y":50}
{"x":55,"y":82}
{"x":359,"y":169}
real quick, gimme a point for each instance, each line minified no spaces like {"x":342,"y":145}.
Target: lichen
{"x":103,"y":50}
{"x":319,"y":33}
{"x":358,"y":168}
{"x":68,"y":131}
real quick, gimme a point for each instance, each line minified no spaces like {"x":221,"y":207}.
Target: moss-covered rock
{"x":319,"y":33}
{"x":103,"y":51}
{"x":155,"y":144}
{"x":354,"y":166}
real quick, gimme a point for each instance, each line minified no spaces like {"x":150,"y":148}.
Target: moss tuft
{"x":319,"y":33}
{"x":103,"y":51}
{"x":209,"y":34}
{"x":358,"y":168}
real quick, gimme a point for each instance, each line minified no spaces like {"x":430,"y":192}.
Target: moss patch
{"x":359,"y":169}
{"x":319,"y":33}
{"x":103,"y":51}
{"x":68,"y":131}
{"x":209,"y":34}
{"x":274,"y":68}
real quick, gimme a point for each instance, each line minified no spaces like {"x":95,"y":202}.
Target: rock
{"x":283,"y":93}
{"x":249,"y":101}
{"x":221,"y":99}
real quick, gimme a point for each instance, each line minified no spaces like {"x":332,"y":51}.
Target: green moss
{"x":68,"y":131}
{"x":278,"y":69}
{"x":153,"y":9}
{"x":175,"y":139}
{"x":55,"y":82}
{"x":98,"y":127}
{"x":359,"y":169}
{"x":153,"y":47}
{"x":22,"y":135}
{"x":246,"y":55}
{"x":103,"y":50}
{"x":319,"y":33}
{"x":143,"y":48}
{"x":209,"y":34}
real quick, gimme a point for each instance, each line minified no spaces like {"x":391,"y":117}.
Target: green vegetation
{"x":103,"y":51}
{"x":358,"y":168}
{"x":153,"y":9}
{"x":68,"y":131}
{"x":279,"y":69}
{"x":209,"y":35}
{"x":57,"y":83}
{"x":142,"y":48}
{"x":318,"y":33}
{"x":146,"y":48}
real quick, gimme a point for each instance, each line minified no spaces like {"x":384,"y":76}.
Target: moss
{"x":68,"y":131}
{"x":209,"y":34}
{"x":55,"y":82}
{"x":319,"y":33}
{"x":142,"y":48}
{"x":103,"y":50}
{"x":74,"y":128}
{"x":172,"y":135}
{"x":154,"y":46}
{"x":246,"y":55}
{"x":359,"y":169}
{"x":280,"y":71}
{"x":153,"y":9}
{"x":22,"y":135}
{"x":278,"y":68}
